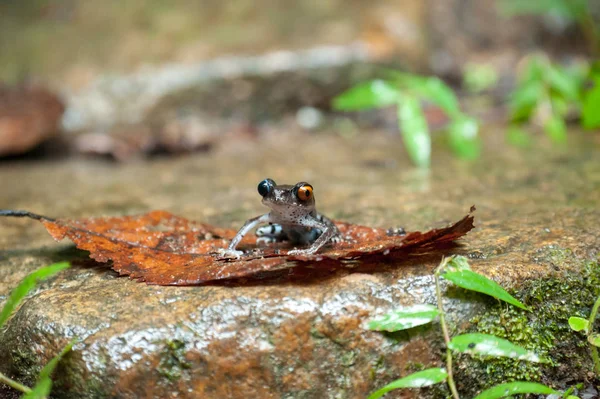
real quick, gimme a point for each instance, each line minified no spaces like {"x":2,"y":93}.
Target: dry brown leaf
{"x":164,"y":249}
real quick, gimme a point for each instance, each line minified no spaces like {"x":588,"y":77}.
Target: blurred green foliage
{"x":575,"y":11}
{"x":548,"y":94}
{"x":408,"y":92}
{"x":478,"y":78}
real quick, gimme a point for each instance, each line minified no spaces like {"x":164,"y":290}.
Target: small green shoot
{"x":419,"y":379}
{"x":585,"y":326}
{"x":42,"y":388}
{"x":457,"y":270}
{"x":29,"y":283}
{"x":407,"y":92}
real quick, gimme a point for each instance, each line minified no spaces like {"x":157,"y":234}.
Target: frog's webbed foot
{"x":230,"y":253}
{"x":396,"y":231}
{"x":301,"y":252}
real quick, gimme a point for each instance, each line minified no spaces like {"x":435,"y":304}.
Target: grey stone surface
{"x":283,"y":338}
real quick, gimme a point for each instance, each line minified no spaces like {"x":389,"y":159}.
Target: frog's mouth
{"x":288,"y":209}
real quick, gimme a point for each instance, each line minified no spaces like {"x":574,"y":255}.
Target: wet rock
{"x":28,"y":116}
{"x":283,"y":337}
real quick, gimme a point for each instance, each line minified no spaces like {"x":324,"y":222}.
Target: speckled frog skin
{"x":293,"y":217}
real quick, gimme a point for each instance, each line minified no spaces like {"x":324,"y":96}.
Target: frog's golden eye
{"x":304,"y":192}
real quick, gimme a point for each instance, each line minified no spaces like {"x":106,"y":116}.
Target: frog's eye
{"x":265,"y":187}
{"x":304,"y":192}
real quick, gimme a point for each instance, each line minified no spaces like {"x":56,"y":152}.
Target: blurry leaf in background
{"x":431,"y":89}
{"x":479,"y":77}
{"x":556,"y":128}
{"x":372,"y":94}
{"x":560,"y":106}
{"x":26,"y":285}
{"x":524,"y":100}
{"x":591,"y":105}
{"x":518,"y":137}
{"x":463,"y":136}
{"x":571,"y":9}
{"x":404,"y":318}
{"x":416,"y":380}
{"x":563,"y":81}
{"x":414,"y":131}
{"x":43,"y":386}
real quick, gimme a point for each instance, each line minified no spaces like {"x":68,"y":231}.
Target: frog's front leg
{"x":231,"y":252}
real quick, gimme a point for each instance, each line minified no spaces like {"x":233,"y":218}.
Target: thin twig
{"x":14,"y":384}
{"x":440,"y":305}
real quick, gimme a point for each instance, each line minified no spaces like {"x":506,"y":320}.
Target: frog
{"x":293,"y":217}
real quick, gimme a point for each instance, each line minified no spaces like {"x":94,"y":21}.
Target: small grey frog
{"x":293,"y":217}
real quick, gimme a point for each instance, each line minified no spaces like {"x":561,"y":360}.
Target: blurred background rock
{"x":118,"y":63}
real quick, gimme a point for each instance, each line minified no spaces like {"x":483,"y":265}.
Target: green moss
{"x":173,"y":362}
{"x":545,"y":329}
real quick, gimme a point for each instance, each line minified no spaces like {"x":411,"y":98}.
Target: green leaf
{"x":556,"y":129}
{"x":431,"y":89}
{"x":490,"y":345}
{"x":414,"y":131}
{"x":479,"y":77}
{"x":28,"y":283}
{"x":419,"y":379}
{"x":594,"y":339}
{"x":525,"y":99}
{"x":470,"y":280}
{"x":372,"y":94}
{"x":578,"y":324}
{"x":561,"y":80}
{"x":514,"y":388}
{"x":571,"y":9}
{"x":560,"y":105}
{"x":403,"y":318}
{"x":44,"y":385}
{"x":518,"y":137}
{"x":590,"y":118}
{"x":534,"y":70}
{"x":463,"y":137}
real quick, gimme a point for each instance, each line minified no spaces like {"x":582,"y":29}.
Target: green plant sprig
{"x":456,"y":270}
{"x":44,"y":384}
{"x":407,"y":92}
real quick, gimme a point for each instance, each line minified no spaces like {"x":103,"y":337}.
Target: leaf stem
{"x":440,"y":304}
{"x":592,"y":320}
{"x":14,"y":384}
